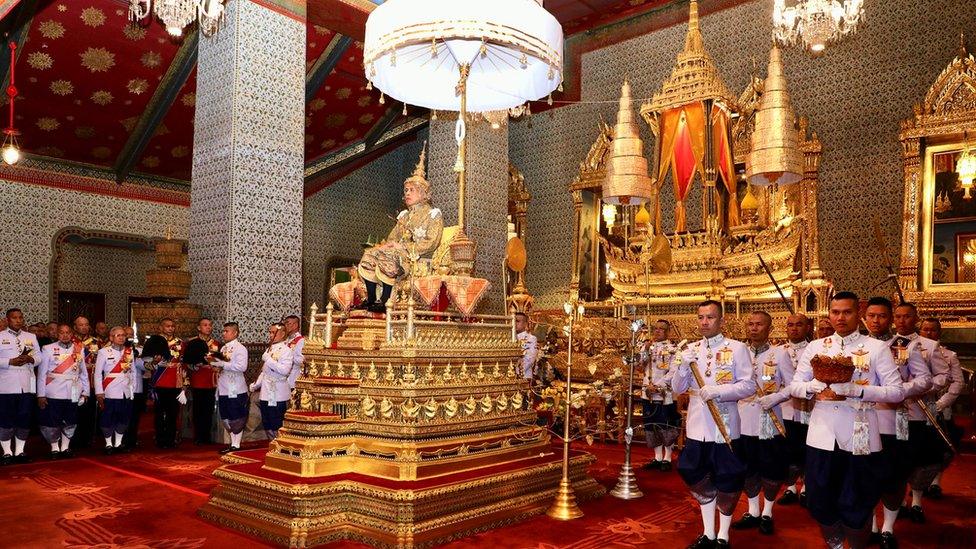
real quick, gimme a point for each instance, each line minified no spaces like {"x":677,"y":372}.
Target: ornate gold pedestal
{"x":426,"y":439}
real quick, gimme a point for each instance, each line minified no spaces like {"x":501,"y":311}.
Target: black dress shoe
{"x":651,"y":465}
{"x":22,"y":458}
{"x":874,"y":539}
{"x":888,"y":541}
{"x":69,"y":453}
{"x":916,"y":514}
{"x":109,"y":450}
{"x":55,"y":454}
{"x":6,"y":459}
{"x":746,"y":522}
{"x":934,"y":491}
{"x":766,"y":525}
{"x":702,"y":543}
{"x":788,"y":498}
{"x":724,"y":543}
{"x":803,"y":499}
{"x":665,"y":466}
{"x":377,"y":308}
{"x":228,"y":450}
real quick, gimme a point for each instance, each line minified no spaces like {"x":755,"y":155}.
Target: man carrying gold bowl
{"x":844,"y":461}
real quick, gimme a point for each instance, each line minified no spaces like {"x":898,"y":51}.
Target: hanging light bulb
{"x":10,"y":151}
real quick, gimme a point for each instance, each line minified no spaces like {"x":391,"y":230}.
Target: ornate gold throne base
{"x":303,"y":512}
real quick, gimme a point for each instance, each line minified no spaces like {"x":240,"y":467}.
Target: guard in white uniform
{"x":796,"y":414}
{"x":530,"y":345}
{"x":927,"y":445}
{"x":232,"y":401}
{"x":843,"y":441}
{"x":893,"y":417}
{"x":273,"y":382}
{"x":19,"y":358}
{"x":131,"y":439}
{"x":708,"y":466}
{"x":932,"y":328}
{"x":62,"y":386}
{"x":296,"y":341}
{"x":765,"y":450}
{"x":660,"y":413}
{"x":114,"y":385}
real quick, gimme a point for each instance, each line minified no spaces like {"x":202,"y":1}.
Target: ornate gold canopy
{"x":941,"y":122}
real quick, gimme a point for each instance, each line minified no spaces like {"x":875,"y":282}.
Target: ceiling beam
{"x":6,"y":6}
{"x":176,"y":75}
{"x":15,"y":29}
{"x":325,"y":64}
{"x":325,"y":170}
{"x":382,"y":125}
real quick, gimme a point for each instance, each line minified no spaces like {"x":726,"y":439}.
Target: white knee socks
{"x":5,"y":444}
{"x":235,"y":439}
{"x":889,"y":519}
{"x":19,"y":444}
{"x":65,"y":442}
{"x":658,"y":453}
{"x":708,"y":519}
{"x":118,"y":439}
{"x":916,"y":498}
{"x":768,"y":507}
{"x":667,"y":453}
{"x":724,"y":522}
{"x":937,"y":479}
{"x":754,"y":506}
{"x":108,"y":442}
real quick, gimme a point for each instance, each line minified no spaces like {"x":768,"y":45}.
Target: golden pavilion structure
{"x":705,"y":135}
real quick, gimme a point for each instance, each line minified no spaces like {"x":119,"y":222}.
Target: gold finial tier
{"x":627,"y":179}
{"x":775,"y":157}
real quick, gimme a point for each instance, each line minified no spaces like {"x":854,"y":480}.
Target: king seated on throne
{"x":417,"y":231}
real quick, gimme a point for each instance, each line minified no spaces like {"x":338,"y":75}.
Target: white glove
{"x":847,"y":389}
{"x":252,"y":387}
{"x":769,"y":401}
{"x":814,"y":387}
{"x":941,"y":404}
{"x":181,"y":398}
{"x":81,"y":400}
{"x":708,"y":392}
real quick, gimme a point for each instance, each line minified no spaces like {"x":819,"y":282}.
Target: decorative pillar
{"x":486,"y":197}
{"x":245,"y":231}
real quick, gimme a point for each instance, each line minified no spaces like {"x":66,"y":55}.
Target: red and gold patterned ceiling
{"x":92,"y":85}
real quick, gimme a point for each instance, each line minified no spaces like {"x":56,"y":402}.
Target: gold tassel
{"x":369,"y":85}
{"x":549,"y":100}
{"x":404,"y":109}
{"x":560,"y":88}
{"x":458,"y":164}
{"x":433,"y":115}
{"x":382,"y":100}
{"x":484,"y":49}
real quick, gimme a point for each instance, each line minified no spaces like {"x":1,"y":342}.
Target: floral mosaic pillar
{"x":486,"y":200}
{"x":245,"y":233}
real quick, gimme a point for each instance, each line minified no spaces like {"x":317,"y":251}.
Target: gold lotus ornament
{"x":386,"y":408}
{"x":487,"y":404}
{"x":450,"y":408}
{"x":430,"y":408}
{"x":502,"y":402}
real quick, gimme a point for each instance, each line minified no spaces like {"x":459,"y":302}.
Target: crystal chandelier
{"x":177,"y":14}
{"x":966,"y":168}
{"x":813,"y":24}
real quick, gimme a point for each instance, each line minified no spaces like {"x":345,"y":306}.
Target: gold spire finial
{"x":962,"y":46}
{"x":419,"y":175}
{"x":775,"y":156}
{"x":693,"y":78}
{"x":627,"y":180}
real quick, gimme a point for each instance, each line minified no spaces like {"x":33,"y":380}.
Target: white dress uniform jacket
{"x":530,"y":351}
{"x":916,"y":380}
{"x":796,"y":409}
{"x":725,"y":367}
{"x":772,"y":371}
{"x":297,"y":343}
{"x":18,"y":379}
{"x":231,"y":381}
{"x":273,"y":381}
{"x":657,"y":360}
{"x":939,"y":369}
{"x":833,"y":421}
{"x":120,"y":383}
{"x":70,"y":384}
{"x":957,"y":383}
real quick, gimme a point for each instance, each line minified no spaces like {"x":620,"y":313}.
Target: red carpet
{"x":149,"y":498}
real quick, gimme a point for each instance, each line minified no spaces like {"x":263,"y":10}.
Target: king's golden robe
{"x":389,"y":261}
